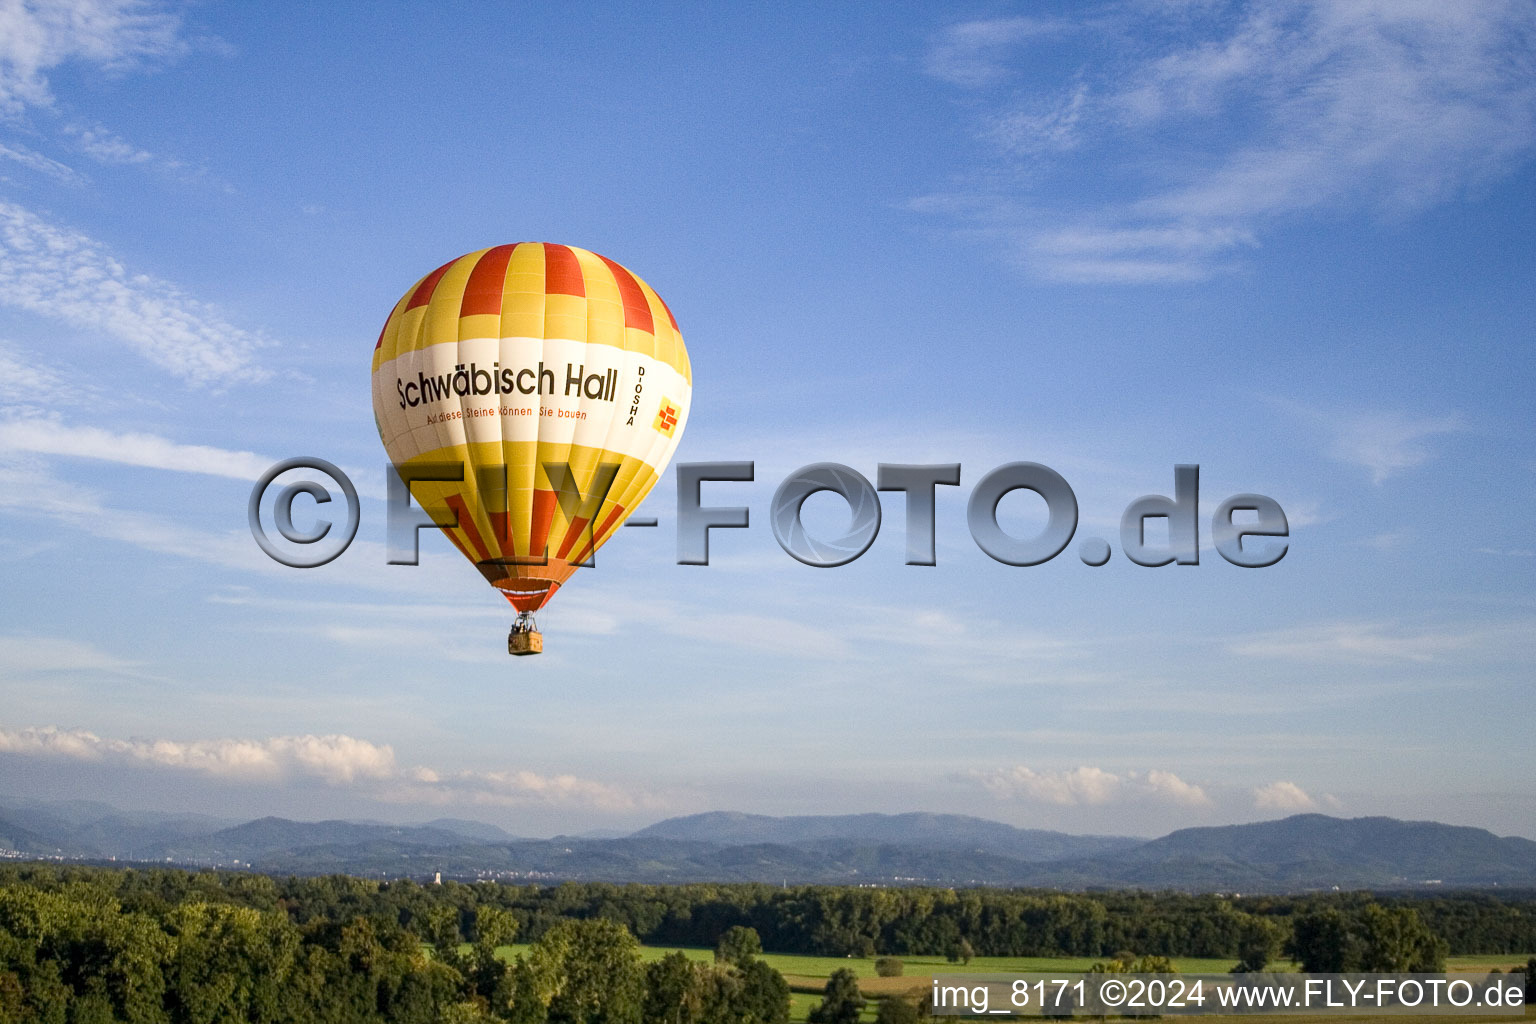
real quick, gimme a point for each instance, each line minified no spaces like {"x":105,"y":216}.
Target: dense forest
{"x":83,"y":945}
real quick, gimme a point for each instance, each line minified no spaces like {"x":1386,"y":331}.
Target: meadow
{"x":807,"y":975}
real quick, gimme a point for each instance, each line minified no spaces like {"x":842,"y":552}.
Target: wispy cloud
{"x":335,"y":760}
{"x":1164,"y":253}
{"x":1389,"y":643}
{"x":25,"y":655}
{"x":31,"y":158}
{"x":106,"y":146}
{"x":64,"y":275}
{"x":31,"y":432}
{"x":1385,"y":442}
{"x":1088,"y":785}
{"x":40,"y":35}
{"x":1390,"y":107}
{"x":23,"y":380}
{"x":1388,"y":443}
{"x":977,"y":53}
{"x":41,"y":436}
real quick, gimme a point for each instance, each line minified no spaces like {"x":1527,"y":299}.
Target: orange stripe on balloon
{"x":458,"y":544}
{"x":637,"y":312}
{"x":423,"y":293}
{"x":609,"y":522}
{"x":544,"y":504}
{"x":467,"y":524}
{"x":501,"y":526}
{"x":572,"y":535}
{"x":562,"y":271}
{"x":482,"y":293}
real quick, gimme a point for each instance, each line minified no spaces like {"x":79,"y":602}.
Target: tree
{"x":1376,"y":939}
{"x":494,"y":926}
{"x":738,"y":946}
{"x":889,"y":967}
{"x":1148,"y":964}
{"x":841,"y":1001}
{"x":673,"y":994}
{"x":896,"y":1010}
{"x":966,"y":951}
{"x":1321,"y":943}
{"x":486,"y":975}
{"x":440,"y":927}
{"x":596,"y":972}
{"x":764,"y":997}
{"x":1258,"y":942}
{"x":1398,"y":940}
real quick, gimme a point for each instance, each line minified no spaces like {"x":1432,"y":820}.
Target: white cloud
{"x":106,"y":146}
{"x":1282,"y":796}
{"x":36,"y":161}
{"x":1044,"y":128}
{"x":1390,"y":643}
{"x":48,"y":437}
{"x":1389,"y":442}
{"x":974,"y":53}
{"x":28,"y":654}
{"x":335,"y":760}
{"x":508,"y":789}
{"x":22,"y":380}
{"x":1172,"y":787}
{"x":1391,"y":540}
{"x":60,"y":273}
{"x":65,"y":275}
{"x":1383,"y":441}
{"x":37,"y":36}
{"x":1087,"y":254}
{"x":1088,"y":785}
{"x":1272,"y":111}
{"x":38,"y":434}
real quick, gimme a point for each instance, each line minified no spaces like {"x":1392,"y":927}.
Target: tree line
{"x":73,"y":950}
{"x":81,"y":945}
{"x":820,"y":920}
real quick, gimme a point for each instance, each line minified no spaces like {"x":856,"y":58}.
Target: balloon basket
{"x":526,"y":642}
{"x":525,"y":637}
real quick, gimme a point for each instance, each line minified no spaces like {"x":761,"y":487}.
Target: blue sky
{"x":1288,"y":243}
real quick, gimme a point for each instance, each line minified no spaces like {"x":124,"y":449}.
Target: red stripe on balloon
{"x":423,"y":293}
{"x":482,"y":293}
{"x":544,"y":504}
{"x":609,"y":522}
{"x":637,"y":312}
{"x":467,"y":524}
{"x":562,"y":271}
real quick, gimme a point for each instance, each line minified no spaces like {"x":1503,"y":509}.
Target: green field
{"x":807,"y":974}
{"x":794,"y":965}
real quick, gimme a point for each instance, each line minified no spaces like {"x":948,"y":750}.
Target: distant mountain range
{"x":1304,"y":852}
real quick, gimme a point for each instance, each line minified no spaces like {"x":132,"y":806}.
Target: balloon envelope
{"x":560,"y":382}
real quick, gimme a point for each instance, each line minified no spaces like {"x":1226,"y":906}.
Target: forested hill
{"x":1300,"y":853}
{"x":936,"y":831}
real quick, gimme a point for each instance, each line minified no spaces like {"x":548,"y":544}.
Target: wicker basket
{"x":525,"y":642}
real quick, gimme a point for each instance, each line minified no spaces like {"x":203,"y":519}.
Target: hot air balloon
{"x":558,"y":380}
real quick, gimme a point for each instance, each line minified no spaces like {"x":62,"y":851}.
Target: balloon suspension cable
{"x":525,"y":623}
